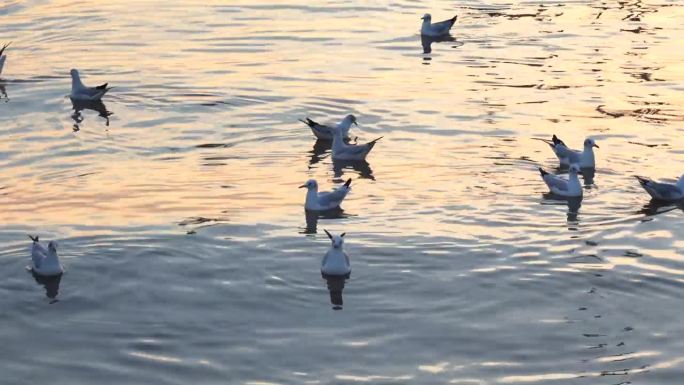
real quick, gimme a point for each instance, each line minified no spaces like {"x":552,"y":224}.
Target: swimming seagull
{"x":80,"y":92}
{"x":663,"y":191}
{"x":344,"y":151}
{"x":3,"y":57}
{"x":568,"y":156}
{"x":567,"y":188}
{"x":436,"y":29}
{"x":323,"y":201}
{"x":326,"y":132}
{"x":45,"y":262}
{"x":336,"y":261}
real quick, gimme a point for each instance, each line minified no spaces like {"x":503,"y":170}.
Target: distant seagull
{"x":324,"y":132}
{"x":663,"y":191}
{"x":336,"y":261}
{"x":80,"y":92}
{"x":436,"y":29}
{"x":3,"y":57}
{"x":323,"y":201}
{"x":568,"y":156}
{"x":344,"y":151}
{"x":45,"y":262}
{"x":566,"y":188}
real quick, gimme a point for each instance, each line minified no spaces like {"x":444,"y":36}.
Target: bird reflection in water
{"x":3,"y":92}
{"x":335,"y":286}
{"x":573,"y":204}
{"x":360,"y":166}
{"x":94,"y":105}
{"x":318,"y":151}
{"x":655,"y":207}
{"x":312,"y":218}
{"x":588,"y":174}
{"x":51,"y":284}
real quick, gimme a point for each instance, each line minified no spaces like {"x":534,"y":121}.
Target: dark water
{"x":179,"y":221}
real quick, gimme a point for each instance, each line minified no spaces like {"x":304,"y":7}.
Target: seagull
{"x":80,"y":92}
{"x":323,"y":201}
{"x":324,"y":132}
{"x":569,"y":188}
{"x":344,"y":151}
{"x":336,"y":261}
{"x":667,"y":192}
{"x":3,"y":57}
{"x":45,"y":262}
{"x":568,"y":156}
{"x":436,"y":29}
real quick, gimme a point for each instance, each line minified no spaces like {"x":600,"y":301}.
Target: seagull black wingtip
{"x":348,"y":182}
{"x":3,"y":48}
{"x":542,"y":172}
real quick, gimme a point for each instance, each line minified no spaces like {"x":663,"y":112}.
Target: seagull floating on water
{"x":667,"y":192}
{"x":436,"y":29}
{"x":336,"y":261}
{"x":567,"y":188}
{"x":80,"y":92}
{"x":324,"y":132}
{"x":344,"y":151}
{"x":568,"y":156}
{"x":45,"y":262}
{"x":323,"y":201}
{"x":2,"y":56}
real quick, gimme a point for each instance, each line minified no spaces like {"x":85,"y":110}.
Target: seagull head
{"x":352,"y":119}
{"x":590,"y":143}
{"x":52,"y":247}
{"x":574,"y":169}
{"x":337,"y":240}
{"x":427,"y":17}
{"x":310,"y":184}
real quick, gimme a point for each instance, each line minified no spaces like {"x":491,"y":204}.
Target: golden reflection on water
{"x":458,"y":133}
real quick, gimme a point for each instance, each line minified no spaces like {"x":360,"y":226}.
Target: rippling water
{"x":187,"y":250}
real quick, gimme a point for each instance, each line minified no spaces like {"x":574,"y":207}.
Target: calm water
{"x":188,"y":255}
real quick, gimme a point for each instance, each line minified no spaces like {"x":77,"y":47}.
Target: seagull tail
{"x":556,"y":141}
{"x":347,"y":183}
{"x":643,"y":181}
{"x":308,"y":122}
{"x":34,"y":239}
{"x":3,"y":48}
{"x":542,"y":172}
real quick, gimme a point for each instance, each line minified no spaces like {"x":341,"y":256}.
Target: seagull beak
{"x":302,"y":186}
{"x":355,"y":123}
{"x":596,"y":145}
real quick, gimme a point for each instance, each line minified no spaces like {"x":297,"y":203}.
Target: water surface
{"x":188,"y":255}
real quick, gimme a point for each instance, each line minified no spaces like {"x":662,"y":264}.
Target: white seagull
{"x":568,"y":156}
{"x":344,"y":151}
{"x":45,"y":262}
{"x":567,"y":188}
{"x":336,"y":261}
{"x":323,"y":201}
{"x":2,"y":56}
{"x":324,"y":132}
{"x":436,"y":29}
{"x":667,"y":192}
{"x":80,"y":92}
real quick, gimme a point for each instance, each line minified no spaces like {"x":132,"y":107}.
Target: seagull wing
{"x":444,"y":26}
{"x":555,"y":182}
{"x":333,"y":198}
{"x":660,"y":190}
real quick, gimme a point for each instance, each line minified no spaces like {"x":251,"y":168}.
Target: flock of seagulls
{"x":336,"y":263}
